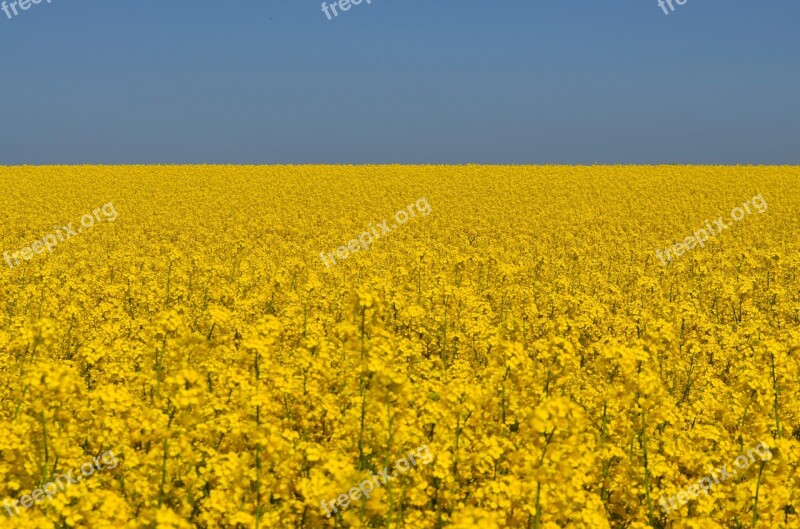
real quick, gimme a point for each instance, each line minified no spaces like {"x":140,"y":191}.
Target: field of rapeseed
{"x":208,"y":347}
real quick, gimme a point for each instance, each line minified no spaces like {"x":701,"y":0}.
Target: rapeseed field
{"x":522,"y":347}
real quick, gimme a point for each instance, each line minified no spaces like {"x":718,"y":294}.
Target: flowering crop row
{"x":525,"y":333}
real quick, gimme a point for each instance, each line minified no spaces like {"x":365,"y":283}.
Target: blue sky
{"x":401,"y":81}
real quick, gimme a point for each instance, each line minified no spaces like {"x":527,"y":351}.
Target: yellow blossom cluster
{"x":525,"y":332}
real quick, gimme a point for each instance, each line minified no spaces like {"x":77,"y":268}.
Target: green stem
{"x":388,"y":462}
{"x":755,"y":501}
{"x":646,"y":465}
{"x":163,"y":473}
{"x":776,"y":391}
{"x":46,"y":449}
{"x":538,"y":520}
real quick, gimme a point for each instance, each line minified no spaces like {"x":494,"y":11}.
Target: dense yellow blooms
{"x":524,"y":332}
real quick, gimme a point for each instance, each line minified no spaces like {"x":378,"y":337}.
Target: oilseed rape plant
{"x":524,"y":333}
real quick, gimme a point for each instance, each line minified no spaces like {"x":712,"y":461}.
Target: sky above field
{"x":400,"y":81}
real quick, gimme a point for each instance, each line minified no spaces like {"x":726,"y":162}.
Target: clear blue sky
{"x":401,"y":81}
